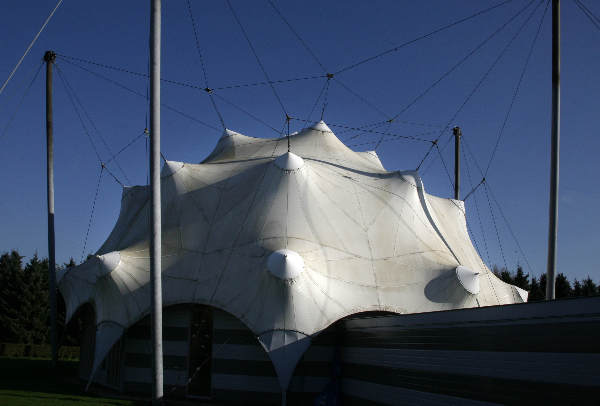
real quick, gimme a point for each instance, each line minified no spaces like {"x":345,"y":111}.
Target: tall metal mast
{"x":155,"y":238}
{"x":50,"y":57}
{"x":457,"y":134}
{"x":554,"y":153}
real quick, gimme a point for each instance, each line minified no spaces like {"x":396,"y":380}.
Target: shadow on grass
{"x":44,"y":398}
{"x":36,"y":380}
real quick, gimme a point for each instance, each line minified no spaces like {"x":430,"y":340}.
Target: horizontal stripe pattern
{"x":532,"y":353}
{"x":171,"y":362}
{"x":144,"y":375}
{"x":358,"y":392}
{"x":141,"y":332}
{"x":240,"y":366}
{"x":180,"y":348}
{"x":545,"y":367}
{"x":550,"y":337}
{"x":137,"y":362}
{"x":472,"y":387}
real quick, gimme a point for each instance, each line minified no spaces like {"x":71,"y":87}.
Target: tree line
{"x":537,"y":286}
{"x":25,"y":316}
{"x":24,"y":307}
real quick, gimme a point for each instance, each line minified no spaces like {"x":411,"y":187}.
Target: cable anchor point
{"x":50,"y":56}
{"x":208,"y":90}
{"x":329,"y":76}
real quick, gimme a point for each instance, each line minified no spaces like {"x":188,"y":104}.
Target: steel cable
{"x":398,"y":47}
{"x":260,"y":64}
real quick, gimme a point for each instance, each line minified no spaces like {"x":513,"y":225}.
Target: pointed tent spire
{"x":321,"y":126}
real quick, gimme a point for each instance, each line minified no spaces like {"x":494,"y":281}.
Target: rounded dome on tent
{"x":285,"y":264}
{"x":468,"y":279}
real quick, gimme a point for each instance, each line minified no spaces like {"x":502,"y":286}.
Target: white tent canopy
{"x":288,"y":242}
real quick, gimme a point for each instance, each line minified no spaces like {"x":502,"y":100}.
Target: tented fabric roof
{"x":359,"y":238}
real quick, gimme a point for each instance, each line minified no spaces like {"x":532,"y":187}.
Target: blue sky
{"x":340,"y":34}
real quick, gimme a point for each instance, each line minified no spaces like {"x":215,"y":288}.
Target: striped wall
{"x":243,"y":373}
{"x":241,"y":369}
{"x":137,"y":360}
{"x":537,"y":353}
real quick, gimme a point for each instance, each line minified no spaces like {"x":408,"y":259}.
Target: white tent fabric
{"x":288,"y":243}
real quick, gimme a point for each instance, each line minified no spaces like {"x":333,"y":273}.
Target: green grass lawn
{"x":29,"y":381}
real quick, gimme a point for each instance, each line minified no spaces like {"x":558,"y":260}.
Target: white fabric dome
{"x":285,"y":264}
{"x":357,"y":237}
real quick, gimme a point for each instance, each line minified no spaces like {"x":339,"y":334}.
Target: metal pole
{"x":155,"y":238}
{"x":50,"y":57}
{"x":554,"y":153}
{"x":457,"y":134}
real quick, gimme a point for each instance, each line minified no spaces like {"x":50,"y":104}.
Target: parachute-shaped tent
{"x":288,"y":243}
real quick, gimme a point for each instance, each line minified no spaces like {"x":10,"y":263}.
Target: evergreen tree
{"x":11,"y":286}
{"x":543,"y":285}
{"x":35,"y":310}
{"x":589,"y":288}
{"x":503,"y":274}
{"x":576,"y":292}
{"x":562,"y":287}
{"x":521,"y":279}
{"x":536,"y":292}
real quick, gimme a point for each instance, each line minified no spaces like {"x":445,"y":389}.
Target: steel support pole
{"x":457,"y":134}
{"x":554,"y":153}
{"x":155,"y":226}
{"x":50,"y":57}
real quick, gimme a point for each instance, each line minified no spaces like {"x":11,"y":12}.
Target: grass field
{"x":29,"y":381}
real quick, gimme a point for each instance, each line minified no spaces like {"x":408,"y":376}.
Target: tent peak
{"x":230,"y":133}
{"x":289,"y":162}
{"x":321,"y":126}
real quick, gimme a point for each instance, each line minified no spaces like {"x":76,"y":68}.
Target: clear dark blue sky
{"x":340,"y":33}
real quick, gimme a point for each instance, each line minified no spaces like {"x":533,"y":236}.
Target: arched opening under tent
{"x":209,"y":353}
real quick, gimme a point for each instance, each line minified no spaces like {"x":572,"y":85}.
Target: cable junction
{"x":206,"y":88}
{"x":93,"y":125}
{"x":187,"y":84}
{"x":146,"y":97}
